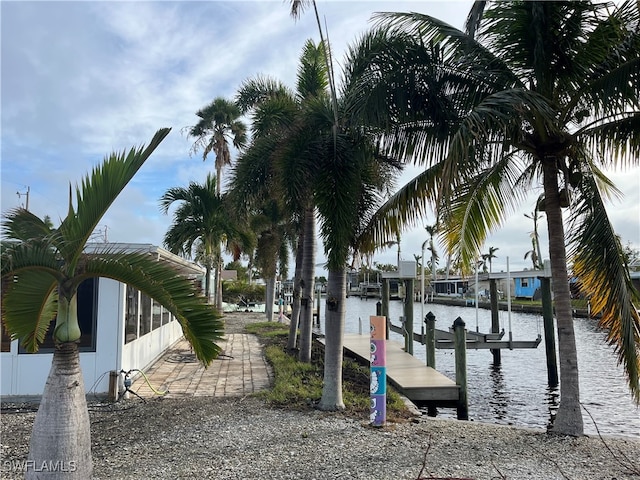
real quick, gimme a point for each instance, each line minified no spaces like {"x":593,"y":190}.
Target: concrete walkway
{"x":240,"y":370}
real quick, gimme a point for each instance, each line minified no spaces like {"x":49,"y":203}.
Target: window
{"x":132,"y":315}
{"x":6,"y":339}
{"x":145,"y":314}
{"x":157,"y":315}
{"x":87,"y":317}
{"x":166,"y":316}
{"x":525,"y":283}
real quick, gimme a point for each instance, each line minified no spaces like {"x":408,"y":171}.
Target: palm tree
{"x":489,"y":256}
{"x":201,"y":223}
{"x":219,"y":125}
{"x":273,"y":232}
{"x":349,"y":186}
{"x":277,"y":160}
{"x":47,"y":265}
{"x":533,"y":94}
{"x":535,"y":252}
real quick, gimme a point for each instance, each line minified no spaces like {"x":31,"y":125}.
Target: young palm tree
{"x":45,"y":267}
{"x":534,"y":94}
{"x":219,"y":126}
{"x":203,"y":221}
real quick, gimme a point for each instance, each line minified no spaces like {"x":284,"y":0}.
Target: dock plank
{"x":407,"y":373}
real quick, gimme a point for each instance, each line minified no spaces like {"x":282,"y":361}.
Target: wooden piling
{"x":430,"y":324}
{"x":495,"y":319}
{"x":549,"y":332}
{"x":408,"y":314}
{"x":460,"y":341}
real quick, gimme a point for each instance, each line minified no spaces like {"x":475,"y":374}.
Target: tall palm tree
{"x":219,"y":125}
{"x":201,"y":223}
{"x":533,"y":94}
{"x":279,"y":155}
{"x":489,"y":256}
{"x":47,"y":265}
{"x":350,"y":184}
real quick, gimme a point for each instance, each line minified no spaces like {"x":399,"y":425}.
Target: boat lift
{"x":474,"y":340}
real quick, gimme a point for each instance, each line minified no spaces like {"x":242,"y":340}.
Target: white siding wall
{"x":26,"y":374}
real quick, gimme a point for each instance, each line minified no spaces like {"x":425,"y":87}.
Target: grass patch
{"x":299,"y":385}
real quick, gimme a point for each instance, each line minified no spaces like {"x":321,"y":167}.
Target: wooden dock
{"x":423,"y":385}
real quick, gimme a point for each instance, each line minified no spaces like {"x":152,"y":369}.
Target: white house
{"x":122,"y":329}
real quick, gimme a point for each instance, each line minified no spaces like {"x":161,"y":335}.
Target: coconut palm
{"x":202,"y":222}
{"x":219,"y":126}
{"x":46,"y":266}
{"x":532,"y":95}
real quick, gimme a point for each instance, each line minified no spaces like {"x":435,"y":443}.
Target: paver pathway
{"x":240,"y":370}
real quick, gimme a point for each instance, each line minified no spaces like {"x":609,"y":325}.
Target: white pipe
{"x":476,"y":289}
{"x":509,"y":300}
{"x":422,"y":284}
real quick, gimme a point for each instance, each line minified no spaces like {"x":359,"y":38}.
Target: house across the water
{"x":122,"y":329}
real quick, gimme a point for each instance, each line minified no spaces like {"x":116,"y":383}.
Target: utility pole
{"x":25,"y":194}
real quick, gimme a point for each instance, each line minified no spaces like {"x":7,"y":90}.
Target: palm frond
{"x":97,"y":192}
{"x":29,"y":305}
{"x":618,"y":139}
{"x":21,"y":224}
{"x":480,"y":205}
{"x":201,"y":325}
{"x":409,"y":205}
{"x":30,"y":255}
{"x":600,"y":266}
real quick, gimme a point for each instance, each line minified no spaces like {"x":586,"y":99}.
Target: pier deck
{"x":423,"y":385}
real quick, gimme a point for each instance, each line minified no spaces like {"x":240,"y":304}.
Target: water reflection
{"x":517,"y":392}
{"x":499,"y":399}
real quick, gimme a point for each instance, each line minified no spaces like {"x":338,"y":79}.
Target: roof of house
{"x":182,"y":265}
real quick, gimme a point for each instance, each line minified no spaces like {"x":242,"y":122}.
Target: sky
{"x":80,"y":80}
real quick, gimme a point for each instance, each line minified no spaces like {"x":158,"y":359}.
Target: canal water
{"x":516,"y":392}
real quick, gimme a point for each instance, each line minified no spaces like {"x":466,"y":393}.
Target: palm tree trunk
{"x":334,"y":332}
{"x":568,"y":420}
{"x":297,"y":290}
{"x":307,"y":283}
{"x":207,"y":282}
{"x":60,"y":446}
{"x":270,"y":298}
{"x":218,"y":281}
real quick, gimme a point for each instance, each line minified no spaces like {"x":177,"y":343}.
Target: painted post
{"x":378,"y":362}
{"x":460,"y":342}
